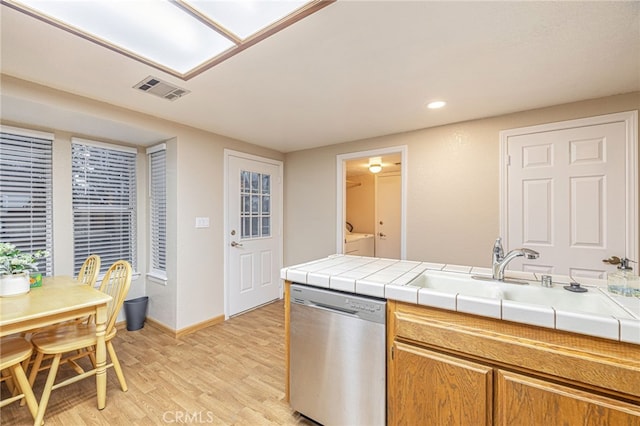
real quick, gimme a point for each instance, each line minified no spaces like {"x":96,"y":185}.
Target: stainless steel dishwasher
{"x":338,"y":357}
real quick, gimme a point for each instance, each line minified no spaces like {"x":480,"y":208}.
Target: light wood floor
{"x":227,"y":374}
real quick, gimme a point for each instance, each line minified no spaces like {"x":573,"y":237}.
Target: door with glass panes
{"x":253,"y":234}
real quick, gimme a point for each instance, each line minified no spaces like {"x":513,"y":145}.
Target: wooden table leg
{"x":101,"y":356}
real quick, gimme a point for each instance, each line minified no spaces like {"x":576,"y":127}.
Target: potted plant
{"x":15,"y":267}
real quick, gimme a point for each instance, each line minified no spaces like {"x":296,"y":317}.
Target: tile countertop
{"x":387,"y":278}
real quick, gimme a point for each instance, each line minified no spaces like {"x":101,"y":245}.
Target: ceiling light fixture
{"x":436,"y":104}
{"x":375,"y":165}
{"x":180,"y":37}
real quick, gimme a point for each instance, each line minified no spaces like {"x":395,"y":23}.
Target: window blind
{"x":104,"y":203}
{"x":158,"y":207}
{"x":25,"y":192}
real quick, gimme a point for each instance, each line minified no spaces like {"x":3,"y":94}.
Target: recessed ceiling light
{"x":436,"y":104}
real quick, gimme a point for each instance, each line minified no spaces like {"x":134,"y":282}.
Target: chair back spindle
{"x":89,"y":271}
{"x":116,"y":283}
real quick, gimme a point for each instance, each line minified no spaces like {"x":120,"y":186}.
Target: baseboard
{"x":187,"y":330}
{"x":159,"y":326}
{"x":199,"y":326}
{"x":122,"y":325}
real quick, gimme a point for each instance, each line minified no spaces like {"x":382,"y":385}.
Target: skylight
{"x":246,"y":17}
{"x":181,"y":37}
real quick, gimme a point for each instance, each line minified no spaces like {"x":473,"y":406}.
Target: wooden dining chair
{"x":79,"y":340}
{"x":15,"y":353}
{"x":88,"y":275}
{"x":89,"y":271}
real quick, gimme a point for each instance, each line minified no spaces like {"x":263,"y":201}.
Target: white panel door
{"x":254,"y":191}
{"x":566,"y":198}
{"x":388,"y":206}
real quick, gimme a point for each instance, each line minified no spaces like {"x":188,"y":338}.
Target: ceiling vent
{"x":161,"y":88}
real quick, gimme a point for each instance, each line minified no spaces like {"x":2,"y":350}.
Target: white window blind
{"x":25,"y":192}
{"x":158,"y":207}
{"x":104,"y":203}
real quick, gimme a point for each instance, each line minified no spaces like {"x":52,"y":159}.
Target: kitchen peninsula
{"x":457,"y":358}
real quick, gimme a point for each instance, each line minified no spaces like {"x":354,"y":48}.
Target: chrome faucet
{"x":500,"y":261}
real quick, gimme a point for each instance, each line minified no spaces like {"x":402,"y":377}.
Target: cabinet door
{"x":429,"y":388}
{"x":526,"y":401}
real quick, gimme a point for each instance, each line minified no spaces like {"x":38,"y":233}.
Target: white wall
{"x":194,"y":292}
{"x":452,"y":198}
{"x":360,"y":208}
{"x":452,"y":194}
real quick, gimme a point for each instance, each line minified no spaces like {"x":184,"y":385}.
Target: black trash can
{"x":135,"y":311}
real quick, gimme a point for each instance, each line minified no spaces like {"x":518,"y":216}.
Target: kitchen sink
{"x":557,"y":297}
{"x":451,"y":282}
{"x":592,"y":301}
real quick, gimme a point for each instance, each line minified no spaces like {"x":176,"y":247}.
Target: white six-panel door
{"x":568,"y":196}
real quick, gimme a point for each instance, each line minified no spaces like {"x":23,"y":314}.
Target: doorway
{"x":360,"y":204}
{"x":568,"y":191}
{"x":253,"y":231}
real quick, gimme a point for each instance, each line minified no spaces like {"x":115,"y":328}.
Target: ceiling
{"x":353,"y":70}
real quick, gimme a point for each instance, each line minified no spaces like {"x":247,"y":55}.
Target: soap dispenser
{"x":623,"y":281}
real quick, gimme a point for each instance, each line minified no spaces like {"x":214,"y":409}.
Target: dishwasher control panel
{"x":364,"y":306}
{"x":368,"y":308}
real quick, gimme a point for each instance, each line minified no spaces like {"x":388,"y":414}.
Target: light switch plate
{"x":202,"y":222}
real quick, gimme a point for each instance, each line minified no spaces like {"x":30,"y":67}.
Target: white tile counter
{"x":387,"y":278}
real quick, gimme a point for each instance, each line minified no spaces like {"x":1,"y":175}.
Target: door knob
{"x":382,"y":235}
{"x":235,"y":244}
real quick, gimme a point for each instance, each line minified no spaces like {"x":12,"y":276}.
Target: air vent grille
{"x":161,"y":88}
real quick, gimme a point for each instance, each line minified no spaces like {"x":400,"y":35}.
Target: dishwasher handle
{"x":324,"y":306}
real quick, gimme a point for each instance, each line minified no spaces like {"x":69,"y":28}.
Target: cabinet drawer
{"x":608,"y":366}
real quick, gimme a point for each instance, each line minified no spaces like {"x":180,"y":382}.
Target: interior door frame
{"x":341,"y":195}
{"x":227,"y":238}
{"x":630,"y":118}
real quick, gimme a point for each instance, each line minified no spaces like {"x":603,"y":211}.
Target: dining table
{"x":59,"y":299}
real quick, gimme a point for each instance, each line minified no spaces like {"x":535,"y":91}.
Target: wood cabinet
{"x":456,"y":369}
{"x":524,"y":400}
{"x":444,"y":390}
